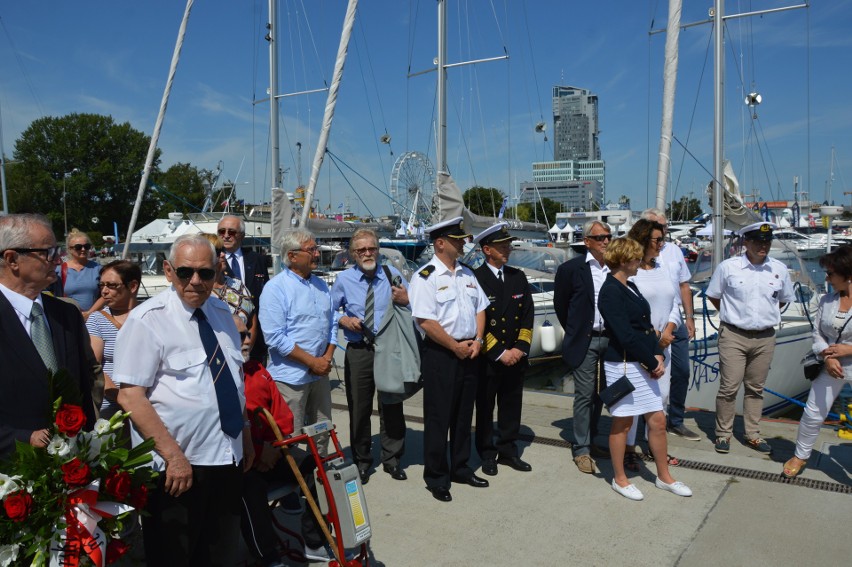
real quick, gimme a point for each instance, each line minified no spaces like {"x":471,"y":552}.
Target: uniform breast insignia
{"x":492,"y":298}
{"x":443,"y":287}
{"x":520,"y":295}
{"x":425,"y":272}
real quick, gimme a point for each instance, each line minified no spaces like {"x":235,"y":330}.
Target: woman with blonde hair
{"x":80,"y":275}
{"x":633,"y":353}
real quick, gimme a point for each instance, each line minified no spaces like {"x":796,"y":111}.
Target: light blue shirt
{"x":82,"y":286}
{"x":295,"y":311}
{"x":350,"y":293}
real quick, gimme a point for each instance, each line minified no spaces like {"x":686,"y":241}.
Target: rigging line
{"x":695,"y":104}
{"x":373,"y":75}
{"x":532,"y":63}
{"x":465,"y":145}
{"x":27,"y":79}
{"x":697,"y":161}
{"x":771,"y":161}
{"x":376,"y":141}
{"x":647,"y":126}
{"x":335,"y":158}
{"x":411,"y":28}
{"x":313,"y":43}
{"x":808,"y":92}
{"x":346,"y":179}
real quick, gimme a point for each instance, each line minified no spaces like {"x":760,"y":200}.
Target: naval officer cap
{"x":494,"y":234}
{"x":758,"y":231}
{"x":450,"y":228}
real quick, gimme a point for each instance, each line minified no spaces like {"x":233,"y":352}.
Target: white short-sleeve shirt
{"x":450,"y":297}
{"x":159,"y":348}
{"x":750,"y":295}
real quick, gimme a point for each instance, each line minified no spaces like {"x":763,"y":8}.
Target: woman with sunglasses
{"x":833,"y":343}
{"x":119,"y":284}
{"x":231,"y":290}
{"x":79,"y":274}
{"x":656,"y":286}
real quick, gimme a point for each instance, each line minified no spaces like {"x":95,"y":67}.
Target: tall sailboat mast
{"x":718,"y":130}
{"x":441,"y":126}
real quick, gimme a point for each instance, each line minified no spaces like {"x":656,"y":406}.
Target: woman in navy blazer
{"x":634,"y":351}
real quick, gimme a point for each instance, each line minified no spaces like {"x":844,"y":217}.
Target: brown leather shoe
{"x":599,"y":452}
{"x":585,"y":464}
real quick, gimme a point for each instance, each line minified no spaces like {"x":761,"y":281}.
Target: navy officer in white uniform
{"x":749,"y":292}
{"x":449,"y":306}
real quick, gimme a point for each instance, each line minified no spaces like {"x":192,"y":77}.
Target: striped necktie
{"x":41,"y":337}
{"x":369,"y":306}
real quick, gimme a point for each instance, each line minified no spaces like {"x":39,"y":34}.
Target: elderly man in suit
{"x":246,"y":265}
{"x":575,"y":300}
{"x":38,"y":334}
{"x":508,"y":334}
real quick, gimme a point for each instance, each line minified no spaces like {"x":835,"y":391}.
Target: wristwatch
{"x":480,"y":341}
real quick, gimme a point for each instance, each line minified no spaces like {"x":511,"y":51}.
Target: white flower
{"x":96,"y":445}
{"x":8,"y":485}
{"x":8,"y":554}
{"x":58,"y":446}
{"x":102,"y":426}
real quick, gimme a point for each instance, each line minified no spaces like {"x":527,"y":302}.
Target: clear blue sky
{"x":112,"y":58}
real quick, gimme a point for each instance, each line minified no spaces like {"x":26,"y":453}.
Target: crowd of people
{"x":196,"y":362}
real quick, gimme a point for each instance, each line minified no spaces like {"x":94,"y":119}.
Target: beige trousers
{"x":744,"y":359}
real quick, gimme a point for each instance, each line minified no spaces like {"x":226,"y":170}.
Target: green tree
{"x":483,"y":201}
{"x":543,"y":211}
{"x":181,"y":188}
{"x":99,"y":163}
{"x":684,"y":208}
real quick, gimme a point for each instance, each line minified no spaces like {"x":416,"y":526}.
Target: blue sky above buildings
{"x":113,"y":57}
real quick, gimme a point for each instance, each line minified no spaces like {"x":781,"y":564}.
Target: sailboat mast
{"x":441,"y":133}
{"x":272,"y":38}
{"x":718,"y":131}
{"x":664,"y":162}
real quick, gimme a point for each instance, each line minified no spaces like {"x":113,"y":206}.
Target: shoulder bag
{"x":613,"y":393}
{"x":812,"y":364}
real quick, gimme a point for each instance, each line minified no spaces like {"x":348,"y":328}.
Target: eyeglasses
{"x":185,"y":273}
{"x":658,"y":240}
{"x":600,"y":237}
{"x":228,"y":231}
{"x":828,"y":273}
{"x":312,"y":250}
{"x":362,"y":251}
{"x":80,"y":247}
{"x":111,"y":285}
{"x":48,"y":254}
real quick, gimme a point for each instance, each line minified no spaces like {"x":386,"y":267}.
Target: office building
{"x":575,"y":125}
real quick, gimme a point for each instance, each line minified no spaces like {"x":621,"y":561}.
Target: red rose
{"x":115,"y":549}
{"x":117,"y":483}
{"x":139,"y":497}
{"x":76,"y":472}
{"x":18,"y":506}
{"x":70,"y":419}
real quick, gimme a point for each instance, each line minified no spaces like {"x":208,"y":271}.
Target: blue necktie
{"x":230,"y":413}
{"x":235,"y":267}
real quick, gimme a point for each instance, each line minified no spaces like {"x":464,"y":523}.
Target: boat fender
{"x":547,"y":332}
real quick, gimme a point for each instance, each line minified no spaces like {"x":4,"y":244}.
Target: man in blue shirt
{"x":365,"y":294}
{"x":298,"y":324}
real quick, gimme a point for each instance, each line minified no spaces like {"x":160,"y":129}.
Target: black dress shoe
{"x":395,"y":472}
{"x":489,"y":467}
{"x":365,"y":475}
{"x":440,"y":493}
{"x":472,"y":480}
{"x":514,"y":462}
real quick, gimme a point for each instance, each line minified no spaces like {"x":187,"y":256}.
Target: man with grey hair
{"x":298,"y":324}
{"x":178,"y":360}
{"x":575,"y":301}
{"x":39,"y":334}
{"x":246,"y":265}
{"x":672,"y":260}
{"x":365,"y":292}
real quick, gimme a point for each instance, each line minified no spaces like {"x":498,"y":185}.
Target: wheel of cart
{"x":342,"y":503}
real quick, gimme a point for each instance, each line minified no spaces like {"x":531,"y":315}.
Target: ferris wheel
{"x":412,"y":188}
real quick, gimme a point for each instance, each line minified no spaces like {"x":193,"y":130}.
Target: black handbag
{"x":812,"y":364}
{"x":613,"y":393}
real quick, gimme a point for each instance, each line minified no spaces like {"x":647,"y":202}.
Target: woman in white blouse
{"x":833,"y":344}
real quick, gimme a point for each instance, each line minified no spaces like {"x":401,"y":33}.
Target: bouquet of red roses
{"x":68,"y":503}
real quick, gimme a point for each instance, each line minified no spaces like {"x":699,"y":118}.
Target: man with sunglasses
{"x":575,"y":301}
{"x":248,"y":266}
{"x":178,"y":360}
{"x":38,"y":334}
{"x":365,"y":293}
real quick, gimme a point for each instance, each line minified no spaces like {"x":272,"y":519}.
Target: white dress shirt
{"x":599,"y":272}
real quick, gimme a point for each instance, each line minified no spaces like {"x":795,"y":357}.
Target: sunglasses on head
{"x":185,"y":273}
{"x":79,"y":247}
{"x":228,"y":231}
{"x":600,"y":237}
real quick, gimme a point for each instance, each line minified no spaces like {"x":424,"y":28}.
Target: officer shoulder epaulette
{"x":425,"y":272}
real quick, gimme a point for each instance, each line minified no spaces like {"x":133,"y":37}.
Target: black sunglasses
{"x":228,"y":231}
{"x":78,"y":247}
{"x":600,"y":237}
{"x":244,"y":335}
{"x":185,"y":273}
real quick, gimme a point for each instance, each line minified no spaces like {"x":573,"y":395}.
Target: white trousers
{"x":824,"y":391}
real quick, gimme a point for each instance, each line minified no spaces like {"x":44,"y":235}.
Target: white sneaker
{"x":629,"y":491}
{"x":677,"y":487}
{"x":320,"y":553}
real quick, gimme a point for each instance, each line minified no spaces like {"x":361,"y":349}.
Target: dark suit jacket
{"x":25,"y":404}
{"x":509,"y":317}
{"x":627,"y":317}
{"x":574,"y":303}
{"x":255,"y":277}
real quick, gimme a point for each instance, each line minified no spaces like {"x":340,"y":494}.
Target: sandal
{"x":631,"y":461}
{"x":671,"y":460}
{"x":791,"y":471}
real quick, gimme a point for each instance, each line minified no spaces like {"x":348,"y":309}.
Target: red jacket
{"x":261,"y":392}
